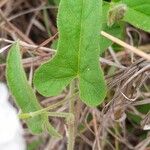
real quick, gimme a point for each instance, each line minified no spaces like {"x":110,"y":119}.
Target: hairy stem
{"x":71,"y":120}
{"x":44,"y":110}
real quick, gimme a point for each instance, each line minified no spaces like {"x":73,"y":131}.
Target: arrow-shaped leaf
{"x":79,"y":25}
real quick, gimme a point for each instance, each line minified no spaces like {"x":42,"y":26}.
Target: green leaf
{"x":138,"y":13}
{"x":56,"y":2}
{"x":34,"y":145}
{"x":115,"y":30}
{"x":23,"y":93}
{"x":79,"y":25}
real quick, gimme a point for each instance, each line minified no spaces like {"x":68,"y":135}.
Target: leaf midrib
{"x":80,"y":35}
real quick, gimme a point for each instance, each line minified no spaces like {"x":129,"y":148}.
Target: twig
{"x":47,"y":41}
{"x":27,"y":12}
{"x":28,"y":46}
{"x":108,"y":62}
{"x":96,"y":130}
{"x":136,"y":74}
{"x":20,"y":33}
{"x":3,"y":2}
{"x":131,"y":48}
{"x":114,"y":55}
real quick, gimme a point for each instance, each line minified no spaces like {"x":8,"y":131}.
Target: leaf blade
{"x":22,"y":92}
{"x":137,"y":19}
{"x":79,"y":27}
{"x":91,"y":77}
{"x":115,"y":30}
{"x":138,"y":14}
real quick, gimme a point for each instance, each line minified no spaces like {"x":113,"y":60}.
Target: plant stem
{"x":71,"y":120}
{"x":44,"y":110}
{"x":38,"y":112}
{"x":59,"y":114}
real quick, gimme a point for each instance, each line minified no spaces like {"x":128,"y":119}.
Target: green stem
{"x":59,"y":114}
{"x":44,"y":110}
{"x":71,"y":120}
{"x":69,"y":116}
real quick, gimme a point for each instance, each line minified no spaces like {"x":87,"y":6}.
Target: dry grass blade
{"x":125,"y":45}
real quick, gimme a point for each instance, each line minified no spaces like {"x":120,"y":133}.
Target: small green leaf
{"x":79,"y":25}
{"x":115,"y":30}
{"x":135,"y":12}
{"x":138,"y":13}
{"x":23,"y":93}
